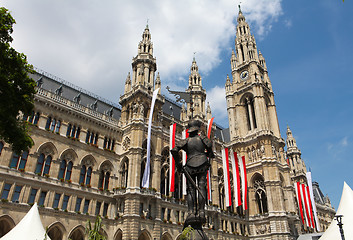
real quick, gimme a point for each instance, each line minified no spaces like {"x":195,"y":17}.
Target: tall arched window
{"x":65,"y":170}
{"x":124,"y":173}
{"x":221,"y":188}
{"x":250,"y":113}
{"x":40,"y":164}
{"x":164,"y":183}
{"x":260,"y":194}
{"x":82,"y":175}
{"x":47,"y":165}
{"x":89,"y":175}
{"x":143,"y":165}
{"x":103,"y":182}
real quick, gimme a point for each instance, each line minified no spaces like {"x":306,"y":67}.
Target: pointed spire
{"x":233,"y":60}
{"x":240,"y":15}
{"x":127,"y":83}
{"x":194,"y":77}
{"x":208,"y":111}
{"x":158,"y":83}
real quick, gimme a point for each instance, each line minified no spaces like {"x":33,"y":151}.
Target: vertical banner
{"x":297,"y":191}
{"x":305,"y":206}
{"x":209,"y":191}
{"x":146,"y":174}
{"x":171,"y":159}
{"x":244,"y":182}
{"x":310,"y":185}
{"x":227,"y":191}
{"x":236,"y":178}
{"x":310,"y":208}
{"x":185,"y":135}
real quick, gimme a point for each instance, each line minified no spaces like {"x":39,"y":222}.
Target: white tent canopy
{"x":29,"y":228}
{"x":345,"y":208}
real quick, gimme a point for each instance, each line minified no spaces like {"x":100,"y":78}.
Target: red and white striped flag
{"x":227,"y":191}
{"x":209,"y":192}
{"x":299,"y":200}
{"x":171,"y":159}
{"x":310,"y":207}
{"x":310,"y":185}
{"x":185,"y":135}
{"x":244,"y":182}
{"x":236,"y":178}
{"x":305,"y":205}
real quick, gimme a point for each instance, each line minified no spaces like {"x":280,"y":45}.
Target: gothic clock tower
{"x":254,"y":133}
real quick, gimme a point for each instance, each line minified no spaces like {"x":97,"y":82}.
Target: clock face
{"x":244,"y":75}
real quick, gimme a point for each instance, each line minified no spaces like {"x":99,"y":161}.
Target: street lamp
{"x":340,"y":224}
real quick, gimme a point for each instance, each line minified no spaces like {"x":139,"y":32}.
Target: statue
{"x":199,"y":152}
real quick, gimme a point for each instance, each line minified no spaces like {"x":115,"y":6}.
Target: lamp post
{"x":340,"y":224}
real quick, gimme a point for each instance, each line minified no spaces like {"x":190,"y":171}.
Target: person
{"x":199,"y":152}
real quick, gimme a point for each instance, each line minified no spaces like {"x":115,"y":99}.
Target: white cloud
{"x":344,"y":142}
{"x":216,"y":98}
{"x":91,"y":43}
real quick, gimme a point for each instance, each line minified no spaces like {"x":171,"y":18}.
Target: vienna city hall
{"x":89,"y":157}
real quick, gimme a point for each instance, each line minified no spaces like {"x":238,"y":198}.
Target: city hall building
{"x":89,"y":156}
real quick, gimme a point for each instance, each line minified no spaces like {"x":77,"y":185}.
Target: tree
{"x":17,"y":89}
{"x":93,"y":233}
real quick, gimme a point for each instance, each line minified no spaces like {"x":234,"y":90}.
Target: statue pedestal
{"x":196,"y":224}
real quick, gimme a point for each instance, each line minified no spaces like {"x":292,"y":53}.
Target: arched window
{"x":260,"y":194}
{"x":89,"y":175}
{"x":142,"y":170}
{"x":68,"y":171}
{"x":40,"y":164}
{"x":164,"y":183}
{"x":250,"y":113}
{"x":47,"y":165}
{"x":62,"y":169}
{"x":221,"y":188}
{"x":82,"y":175}
{"x":124,"y":173}
{"x":103,"y":182}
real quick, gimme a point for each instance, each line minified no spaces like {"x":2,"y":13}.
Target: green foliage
{"x":16,"y":88}
{"x":93,"y":233}
{"x":187,"y":234}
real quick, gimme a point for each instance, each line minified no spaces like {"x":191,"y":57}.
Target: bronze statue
{"x":199,"y":152}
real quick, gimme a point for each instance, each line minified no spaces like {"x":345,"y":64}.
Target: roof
{"x":29,"y":228}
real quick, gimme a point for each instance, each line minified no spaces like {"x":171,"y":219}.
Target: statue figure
{"x":199,"y":151}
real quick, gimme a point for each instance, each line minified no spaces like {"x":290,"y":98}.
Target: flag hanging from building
{"x":209,"y":130}
{"x":171,"y":159}
{"x":227,"y":191}
{"x":305,"y":205}
{"x":299,"y":200}
{"x":310,"y":185}
{"x":236,"y":178}
{"x":146,"y":174}
{"x":244,"y":182}
{"x":185,"y":135}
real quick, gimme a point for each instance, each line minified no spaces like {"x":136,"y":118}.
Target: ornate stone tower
{"x":198,"y":94}
{"x":135,"y":110}
{"x":254,"y":133}
{"x":298,"y":169}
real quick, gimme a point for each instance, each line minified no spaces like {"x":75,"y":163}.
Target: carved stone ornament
{"x":126,"y":143}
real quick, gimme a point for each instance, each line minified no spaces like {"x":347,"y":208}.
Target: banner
{"x":185,"y":135}
{"x":236,"y":178}
{"x":146,"y":174}
{"x":244,"y":182}
{"x":310,"y":185}
{"x":171,"y":159}
{"x":227,"y":191}
{"x":209,"y":191}
{"x":297,"y":191}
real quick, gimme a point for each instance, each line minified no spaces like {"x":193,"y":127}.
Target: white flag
{"x":146,"y":174}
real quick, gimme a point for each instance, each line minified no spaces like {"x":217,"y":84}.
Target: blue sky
{"x":307,"y":46}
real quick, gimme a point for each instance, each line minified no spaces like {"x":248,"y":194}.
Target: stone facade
{"x":89,"y":156}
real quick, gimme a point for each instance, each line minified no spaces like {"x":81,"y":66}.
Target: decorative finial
{"x":239,"y":7}
{"x":194,"y":56}
{"x":147,"y":23}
